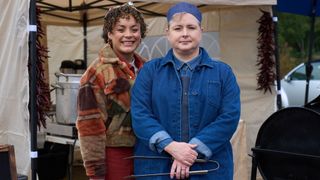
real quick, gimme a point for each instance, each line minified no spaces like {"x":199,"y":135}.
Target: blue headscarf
{"x":184,"y":7}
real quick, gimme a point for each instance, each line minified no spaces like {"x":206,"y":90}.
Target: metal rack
{"x":62,"y":134}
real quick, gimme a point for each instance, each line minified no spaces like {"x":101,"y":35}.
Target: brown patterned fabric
{"x":104,"y":109}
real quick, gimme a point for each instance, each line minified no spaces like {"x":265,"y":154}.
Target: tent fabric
{"x":96,"y":9}
{"x":223,"y":2}
{"x":238,"y":43}
{"x":14,"y":80}
{"x":302,"y":7}
{"x":239,"y":148}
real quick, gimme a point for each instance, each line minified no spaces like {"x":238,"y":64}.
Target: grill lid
{"x":288,"y":144}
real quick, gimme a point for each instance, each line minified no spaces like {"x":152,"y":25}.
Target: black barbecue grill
{"x":288,"y":145}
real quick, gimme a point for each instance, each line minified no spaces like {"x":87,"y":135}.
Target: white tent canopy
{"x":230,"y":23}
{"x":73,"y":10}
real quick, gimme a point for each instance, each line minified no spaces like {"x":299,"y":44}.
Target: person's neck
{"x":126,"y":57}
{"x":186,"y":56}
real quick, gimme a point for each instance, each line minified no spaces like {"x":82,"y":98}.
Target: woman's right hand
{"x":183,"y":152}
{"x":179,"y":170}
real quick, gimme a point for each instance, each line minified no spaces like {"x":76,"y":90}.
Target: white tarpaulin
{"x":14,"y":80}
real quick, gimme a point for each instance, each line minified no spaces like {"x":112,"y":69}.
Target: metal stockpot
{"x":67,"y":88}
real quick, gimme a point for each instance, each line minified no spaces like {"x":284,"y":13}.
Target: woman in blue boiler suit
{"x":185,"y":106}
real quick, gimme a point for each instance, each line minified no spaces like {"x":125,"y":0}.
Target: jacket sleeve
{"x":227,"y":120}
{"x":145,"y":125}
{"x":91,"y":128}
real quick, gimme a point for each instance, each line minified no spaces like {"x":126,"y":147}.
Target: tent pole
{"x":70,"y":5}
{"x":85,"y":42}
{"x":276,"y":55}
{"x":308,"y":65}
{"x":33,"y":86}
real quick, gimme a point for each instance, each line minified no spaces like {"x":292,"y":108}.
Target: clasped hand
{"x":184,"y":156}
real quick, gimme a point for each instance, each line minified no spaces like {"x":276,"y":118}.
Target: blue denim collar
{"x":191,"y":64}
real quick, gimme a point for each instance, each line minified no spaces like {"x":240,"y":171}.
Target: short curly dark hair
{"x":124,"y":11}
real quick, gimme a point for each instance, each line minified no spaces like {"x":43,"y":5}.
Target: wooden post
{"x":8,"y":168}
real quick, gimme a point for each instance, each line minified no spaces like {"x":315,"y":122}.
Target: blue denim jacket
{"x":214,"y":112}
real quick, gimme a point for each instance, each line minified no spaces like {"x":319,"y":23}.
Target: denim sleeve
{"x":159,"y":141}
{"x":201,"y":147}
{"x":162,"y":144}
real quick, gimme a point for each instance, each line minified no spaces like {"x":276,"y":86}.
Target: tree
{"x":294,"y":31}
{"x":293,"y":39}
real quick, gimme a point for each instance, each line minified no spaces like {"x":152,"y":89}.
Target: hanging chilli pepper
{"x":42,"y":91}
{"x":266,"y":62}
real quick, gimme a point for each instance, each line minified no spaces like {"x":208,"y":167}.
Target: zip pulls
{"x":197,"y":172}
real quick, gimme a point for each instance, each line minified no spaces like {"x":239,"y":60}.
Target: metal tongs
{"x":197,"y":172}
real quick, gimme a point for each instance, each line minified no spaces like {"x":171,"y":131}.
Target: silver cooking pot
{"x":67,"y":88}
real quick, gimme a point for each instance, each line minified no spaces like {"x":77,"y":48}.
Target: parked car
{"x":293,"y":85}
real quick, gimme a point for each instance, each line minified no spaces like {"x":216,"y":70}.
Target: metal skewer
{"x":200,"y":172}
{"x":196,"y":172}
